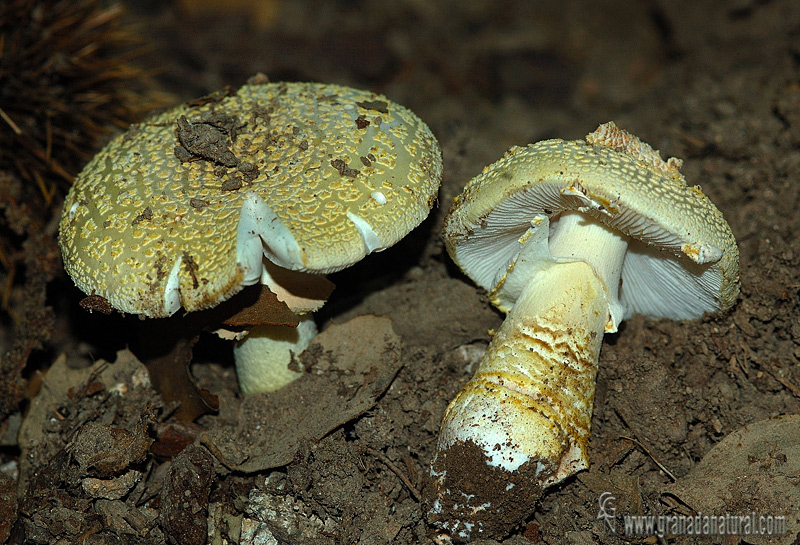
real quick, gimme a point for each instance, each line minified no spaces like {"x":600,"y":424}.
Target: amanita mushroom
{"x":278,"y":183}
{"x":569,"y":238}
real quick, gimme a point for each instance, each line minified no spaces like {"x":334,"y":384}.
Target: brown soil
{"x":716,"y":83}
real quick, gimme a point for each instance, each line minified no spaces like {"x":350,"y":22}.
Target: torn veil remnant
{"x":278,"y":183}
{"x":569,"y":238}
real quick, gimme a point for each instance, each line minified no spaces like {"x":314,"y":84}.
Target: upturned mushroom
{"x":569,"y":238}
{"x":278,"y":183}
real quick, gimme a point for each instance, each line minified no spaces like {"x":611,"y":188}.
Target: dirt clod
{"x":184,"y":497}
{"x":477,"y":499}
{"x":104,"y":451}
{"x":206,"y":139}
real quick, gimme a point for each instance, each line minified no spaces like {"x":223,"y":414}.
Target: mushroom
{"x":569,"y":238}
{"x":278,"y":183}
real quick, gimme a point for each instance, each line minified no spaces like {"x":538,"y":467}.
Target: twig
{"x":773,"y":371}
{"x":650,"y":454}
{"x":14,"y":126}
{"x":396,"y":470}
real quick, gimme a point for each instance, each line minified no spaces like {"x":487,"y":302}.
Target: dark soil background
{"x":102,"y":458}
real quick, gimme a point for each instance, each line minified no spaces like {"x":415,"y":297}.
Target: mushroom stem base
{"x":263,"y":357}
{"x":522,"y":422}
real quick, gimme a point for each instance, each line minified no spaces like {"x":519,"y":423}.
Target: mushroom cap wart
{"x":682,"y":258}
{"x":180,"y":209}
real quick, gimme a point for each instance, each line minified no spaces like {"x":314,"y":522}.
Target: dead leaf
{"x":171,"y":378}
{"x":753,"y":470}
{"x":61,"y":382}
{"x":265,"y":310}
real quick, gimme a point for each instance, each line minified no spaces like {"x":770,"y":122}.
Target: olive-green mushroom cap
{"x":682,"y":259}
{"x":179,"y":210}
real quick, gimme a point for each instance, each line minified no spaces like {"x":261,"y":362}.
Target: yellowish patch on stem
{"x":531,"y":397}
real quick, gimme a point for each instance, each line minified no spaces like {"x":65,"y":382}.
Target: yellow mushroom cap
{"x":312,"y":176}
{"x":682,"y":259}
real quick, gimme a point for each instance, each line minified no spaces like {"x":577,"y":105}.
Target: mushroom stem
{"x":528,"y":407}
{"x":577,"y":236}
{"x":264,"y":355}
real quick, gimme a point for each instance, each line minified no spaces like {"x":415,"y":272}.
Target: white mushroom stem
{"x":531,"y":398}
{"x":579,"y":237}
{"x":263,"y":357}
